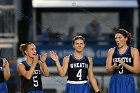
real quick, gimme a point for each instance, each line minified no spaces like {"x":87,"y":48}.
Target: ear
{"x":126,"y":39}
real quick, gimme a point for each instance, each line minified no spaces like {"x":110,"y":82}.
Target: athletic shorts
{"x":3,"y":88}
{"x":122,"y":84}
{"x":77,"y":87}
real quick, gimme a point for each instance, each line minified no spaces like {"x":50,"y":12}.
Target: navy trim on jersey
{"x":77,"y":59}
{"x":123,"y":53}
{"x":1,"y":71}
{"x":127,"y":59}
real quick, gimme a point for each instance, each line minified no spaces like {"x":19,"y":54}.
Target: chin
{"x":120,"y":46}
{"x":79,"y":51}
{"x":32,"y":56}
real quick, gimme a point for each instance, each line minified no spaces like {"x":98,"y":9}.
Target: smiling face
{"x":78,"y":45}
{"x":120,"y":40}
{"x":31,"y":50}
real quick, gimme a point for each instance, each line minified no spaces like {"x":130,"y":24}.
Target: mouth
{"x":118,"y":43}
{"x":33,"y":54}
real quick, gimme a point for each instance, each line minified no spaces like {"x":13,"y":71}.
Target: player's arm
{"x":43,"y":67}
{"x":6,"y":70}
{"x":27,"y":74}
{"x":62,"y":70}
{"x":136,"y":59}
{"x":91,"y":76}
{"x":109,"y":67}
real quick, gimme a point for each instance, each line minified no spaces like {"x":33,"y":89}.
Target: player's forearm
{"x":29,"y":73}
{"x":45,"y":69}
{"x":94,"y":84}
{"x":6,"y":73}
{"x":131,"y":68}
{"x":60,"y":69}
{"x":110,"y":69}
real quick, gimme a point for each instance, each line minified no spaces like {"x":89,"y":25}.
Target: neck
{"x":78,"y":54}
{"x":29,"y":60}
{"x":123,"y":47}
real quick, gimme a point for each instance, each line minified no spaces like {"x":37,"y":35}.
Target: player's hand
{"x":115,"y":65}
{"x":121,"y":62}
{"x":5,"y":63}
{"x":35,"y":59}
{"x":54,"y":56}
{"x":43,"y":57}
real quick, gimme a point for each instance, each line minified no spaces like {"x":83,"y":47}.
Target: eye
{"x":76,"y":43}
{"x":120,"y":37}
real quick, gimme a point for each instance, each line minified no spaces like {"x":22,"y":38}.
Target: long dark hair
{"x":126,"y":34}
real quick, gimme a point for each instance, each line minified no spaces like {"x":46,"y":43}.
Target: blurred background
{"x":51,"y":25}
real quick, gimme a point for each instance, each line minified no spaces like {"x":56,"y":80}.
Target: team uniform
{"x":3,"y":85}
{"x":34,"y":85}
{"x":77,"y":81}
{"x":122,"y":80}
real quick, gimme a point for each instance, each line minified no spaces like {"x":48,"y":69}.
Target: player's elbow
{"x":28,"y":77}
{"x":136,"y":72}
{"x":47,"y":74}
{"x":61,"y":75}
{"x":7,"y":78}
{"x":107,"y":71}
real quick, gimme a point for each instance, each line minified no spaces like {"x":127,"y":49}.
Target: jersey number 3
{"x":79,"y":74}
{"x":120,"y":69}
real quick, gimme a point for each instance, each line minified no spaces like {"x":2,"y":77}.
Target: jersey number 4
{"x":79,"y":74}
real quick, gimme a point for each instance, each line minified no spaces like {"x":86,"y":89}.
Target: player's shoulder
{"x":90,"y":59}
{"x":21,"y":64}
{"x":134,"y":50}
{"x":111,"y":50}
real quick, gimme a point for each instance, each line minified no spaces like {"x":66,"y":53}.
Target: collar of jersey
{"x":77,"y":59}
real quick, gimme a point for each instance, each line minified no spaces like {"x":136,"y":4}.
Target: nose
{"x":35,"y":51}
{"x":79,"y":45}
